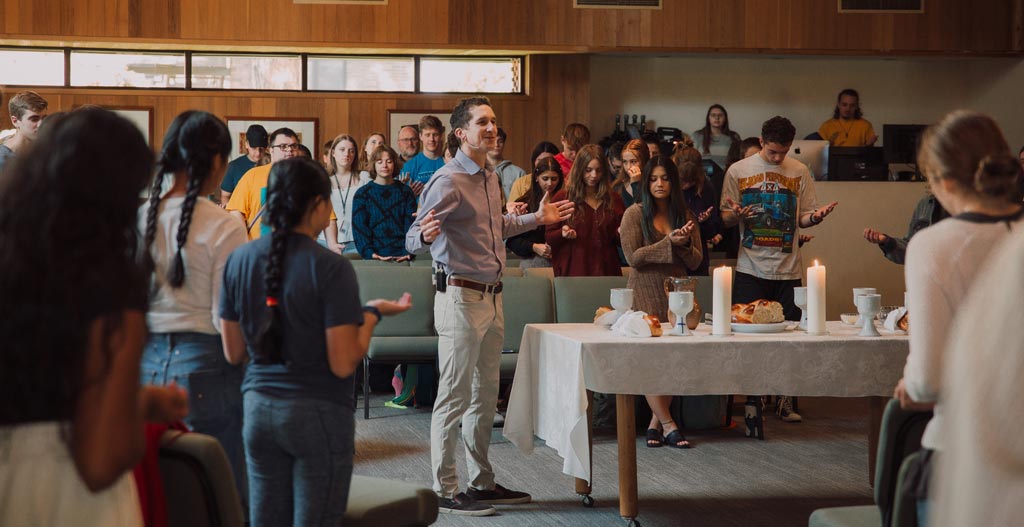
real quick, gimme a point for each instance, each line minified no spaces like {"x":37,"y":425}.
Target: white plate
{"x":777,"y":327}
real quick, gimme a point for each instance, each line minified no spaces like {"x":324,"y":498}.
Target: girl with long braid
{"x":292,"y":308}
{"x":187,"y":240}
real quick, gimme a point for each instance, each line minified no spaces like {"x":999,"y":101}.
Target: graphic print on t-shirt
{"x":774,"y":198}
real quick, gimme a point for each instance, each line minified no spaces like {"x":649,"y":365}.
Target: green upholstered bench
{"x":405,"y":338}
{"x":198,"y":483}
{"x":577,"y":297}
{"x":200,"y":490}
{"x":525,"y":300}
{"x":375,"y":502}
{"x":899,"y":439}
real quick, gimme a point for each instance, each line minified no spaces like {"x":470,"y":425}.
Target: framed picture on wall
{"x":140,"y":116}
{"x":305,"y":127}
{"x":399,"y":118}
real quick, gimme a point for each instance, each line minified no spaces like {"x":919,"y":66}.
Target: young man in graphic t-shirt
{"x":771,"y":197}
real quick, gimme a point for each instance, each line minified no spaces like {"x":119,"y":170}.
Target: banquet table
{"x":559,"y":364}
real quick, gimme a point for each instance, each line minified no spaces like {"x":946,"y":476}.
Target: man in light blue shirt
{"x":461,"y":223}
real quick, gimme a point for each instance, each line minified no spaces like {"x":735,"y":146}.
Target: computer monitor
{"x":900,"y":142}
{"x":814,"y":154}
{"x":847,"y":163}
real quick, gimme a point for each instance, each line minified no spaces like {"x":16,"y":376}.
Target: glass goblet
{"x":680,"y":302}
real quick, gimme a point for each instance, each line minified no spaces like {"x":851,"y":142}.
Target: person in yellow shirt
{"x":847,"y":127}
{"x":250,"y":196}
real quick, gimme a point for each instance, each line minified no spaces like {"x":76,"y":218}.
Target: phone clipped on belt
{"x":440,"y":280}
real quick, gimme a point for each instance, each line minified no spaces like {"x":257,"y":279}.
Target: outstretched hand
{"x":742,"y":212}
{"x":681,"y":236}
{"x":549,"y":213}
{"x":516,"y":207}
{"x":821,"y":213}
{"x":874,"y":236}
{"x":430,"y":227}
{"x":392,"y":307}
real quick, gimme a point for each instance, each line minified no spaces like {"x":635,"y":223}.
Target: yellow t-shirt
{"x":520,"y":187}
{"x":839,"y":132}
{"x":249,"y":197}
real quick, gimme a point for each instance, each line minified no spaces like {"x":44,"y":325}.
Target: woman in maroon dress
{"x":587,"y":244}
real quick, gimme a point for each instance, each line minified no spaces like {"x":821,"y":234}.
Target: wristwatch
{"x":374,"y":311}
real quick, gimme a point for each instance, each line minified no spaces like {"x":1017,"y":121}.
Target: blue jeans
{"x":299,"y":453}
{"x":195,"y":361}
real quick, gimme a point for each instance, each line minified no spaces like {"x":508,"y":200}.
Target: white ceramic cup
{"x":868,"y":306}
{"x":858,"y":291}
{"x":622,"y":300}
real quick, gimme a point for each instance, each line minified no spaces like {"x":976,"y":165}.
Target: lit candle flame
{"x":816,"y":262}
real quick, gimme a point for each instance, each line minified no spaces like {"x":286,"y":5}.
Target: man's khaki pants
{"x":470,"y":327}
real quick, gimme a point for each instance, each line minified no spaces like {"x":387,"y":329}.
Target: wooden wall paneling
{"x":947,"y":26}
{"x":560,"y":88}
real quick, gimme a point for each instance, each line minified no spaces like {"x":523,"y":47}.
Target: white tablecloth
{"x":558,"y":363}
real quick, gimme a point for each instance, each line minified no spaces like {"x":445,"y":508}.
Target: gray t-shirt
{"x":780,"y":194}
{"x":6,"y":156}
{"x":319,"y":291}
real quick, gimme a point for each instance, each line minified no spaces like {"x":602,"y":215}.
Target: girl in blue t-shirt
{"x":292,"y":308}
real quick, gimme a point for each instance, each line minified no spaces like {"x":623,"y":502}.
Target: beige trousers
{"x":471,"y":329}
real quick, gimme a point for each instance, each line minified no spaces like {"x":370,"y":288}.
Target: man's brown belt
{"x":476,"y":286}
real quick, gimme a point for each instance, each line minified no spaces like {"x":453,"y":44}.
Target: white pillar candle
{"x":816,"y":299}
{"x":721,"y":318}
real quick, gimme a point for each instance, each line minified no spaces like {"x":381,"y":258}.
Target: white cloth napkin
{"x":894,"y":316}
{"x":608,"y":318}
{"x":632,"y":324}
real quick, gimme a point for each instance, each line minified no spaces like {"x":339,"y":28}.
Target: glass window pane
{"x":470,"y":75}
{"x":32,"y":67}
{"x":246,"y":72}
{"x":362,"y":73}
{"x":140,"y":70}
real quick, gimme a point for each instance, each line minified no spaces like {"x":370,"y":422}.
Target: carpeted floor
{"x":725,"y":480}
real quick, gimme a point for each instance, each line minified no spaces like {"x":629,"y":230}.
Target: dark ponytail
{"x":292,"y":190}
{"x":193,"y":142}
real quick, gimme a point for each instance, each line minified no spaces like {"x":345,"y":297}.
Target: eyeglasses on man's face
{"x":289,"y":147}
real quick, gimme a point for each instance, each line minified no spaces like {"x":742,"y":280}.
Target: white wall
{"x":996,"y":87}
{"x":676,"y":91}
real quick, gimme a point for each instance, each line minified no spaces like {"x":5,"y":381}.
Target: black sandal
{"x":655,"y":439}
{"x":676,"y":439}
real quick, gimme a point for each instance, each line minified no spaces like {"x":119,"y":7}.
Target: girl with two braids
{"x":187,"y":242}
{"x":291,"y":307}
{"x":74,"y":304}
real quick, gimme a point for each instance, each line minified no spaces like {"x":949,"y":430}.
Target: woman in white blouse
{"x":345,"y":181}
{"x":974,"y":176}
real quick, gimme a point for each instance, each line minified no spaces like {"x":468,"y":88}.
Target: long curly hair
{"x":576,"y":187}
{"x":68,"y":257}
{"x":192,"y":143}
{"x":292,"y":191}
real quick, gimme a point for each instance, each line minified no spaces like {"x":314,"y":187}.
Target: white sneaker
{"x":784,"y":409}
